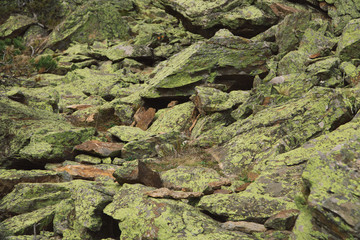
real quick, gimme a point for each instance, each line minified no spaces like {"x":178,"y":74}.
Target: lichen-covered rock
{"x":209,"y":99}
{"x":230,"y":60}
{"x":70,"y":209}
{"x":328,"y":72}
{"x":87,"y":159}
{"x":279,"y":129}
{"x":9,"y":178}
{"x":137,"y":172}
{"x":142,"y":217}
{"x":93,"y":20}
{"x":195,"y":179}
{"x":177,"y":119}
{"x":102,"y":149}
{"x":207,"y":122}
{"x":349,"y":43}
{"x":15,"y":25}
{"x":127,"y":133}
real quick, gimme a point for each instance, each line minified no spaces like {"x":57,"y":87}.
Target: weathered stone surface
{"x":87,"y":159}
{"x":242,"y":226}
{"x":137,"y":172}
{"x":196,"y":179}
{"x":143,"y":117}
{"x":167,"y":193}
{"x":209,"y":99}
{"x":15,"y":25}
{"x":284,"y":220}
{"x":142,"y":217}
{"x":87,"y":172}
{"x":102,"y":149}
{"x":9,"y":178}
{"x":127,"y":134}
{"x":349,"y":43}
{"x":233,"y":61}
{"x":173,"y":119}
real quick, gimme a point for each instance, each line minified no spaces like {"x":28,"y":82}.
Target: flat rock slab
{"x":242,"y":226}
{"x":137,"y":172}
{"x":9,"y":178}
{"x":87,"y":171}
{"x":167,"y":193}
{"x":102,"y":149}
{"x":127,"y":133}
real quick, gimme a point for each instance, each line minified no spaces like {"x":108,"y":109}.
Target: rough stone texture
{"x":143,"y":117}
{"x":87,"y":172}
{"x":15,"y":25}
{"x":284,"y":220}
{"x":142,"y":217}
{"x":137,"y":172}
{"x":195,"y":179}
{"x":242,"y":226}
{"x":102,"y":149}
{"x":349,"y":43}
{"x":127,"y":133}
{"x":167,"y":193}
{"x":9,"y":178}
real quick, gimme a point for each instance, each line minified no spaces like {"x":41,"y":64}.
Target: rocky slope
{"x":174,"y":119}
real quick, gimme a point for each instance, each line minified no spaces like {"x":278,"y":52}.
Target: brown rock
{"x":143,"y":117}
{"x":89,"y":172}
{"x":79,"y":106}
{"x":216,"y":185}
{"x":242,"y":187}
{"x":284,"y":220}
{"x":167,"y":193}
{"x":222,"y":191}
{"x":137,"y":172}
{"x":242,"y":226}
{"x":102,"y":149}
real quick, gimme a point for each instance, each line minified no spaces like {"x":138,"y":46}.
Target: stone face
{"x":102,"y":149}
{"x":248,"y":227}
{"x":196,"y":179}
{"x":137,"y":172}
{"x":143,"y":117}
{"x":349,"y":43}
{"x":284,"y":220}
{"x":15,"y":25}
{"x":127,"y":134}
{"x":167,"y":193}
{"x":142,"y":217}
{"x":87,"y":171}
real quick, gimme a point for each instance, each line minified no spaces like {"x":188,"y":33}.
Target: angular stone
{"x":143,"y":117}
{"x":242,"y":226}
{"x":87,"y":159}
{"x":87,"y":171}
{"x":167,"y":193}
{"x":137,"y":172}
{"x":102,"y":149}
{"x":15,"y":26}
{"x":349,"y":43}
{"x":127,"y":133}
{"x":140,"y":216}
{"x":283,"y":220}
{"x":9,"y":178}
{"x":195,"y":179}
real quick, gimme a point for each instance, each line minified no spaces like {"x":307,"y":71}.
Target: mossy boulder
{"x":142,"y":217}
{"x":229,"y":60}
{"x":15,"y":26}
{"x":127,"y":133}
{"x":349,"y":43}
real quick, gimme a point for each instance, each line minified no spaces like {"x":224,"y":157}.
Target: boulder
{"x":127,"y":133}
{"x":15,"y":26}
{"x":349,"y":43}
{"x":242,"y":226}
{"x":101,"y":149}
{"x":137,"y":172}
{"x":87,"y":172}
{"x":142,"y":217}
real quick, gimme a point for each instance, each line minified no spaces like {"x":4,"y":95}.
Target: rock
{"x":87,"y":172}
{"x":242,"y":226}
{"x":142,"y":217}
{"x":209,"y":99}
{"x":137,"y":172}
{"x":284,"y":220}
{"x":87,"y":159}
{"x":167,"y":193}
{"x":173,"y":119}
{"x":349,"y":41}
{"x":9,"y":178}
{"x":96,"y":21}
{"x":102,"y":149}
{"x":120,"y":51}
{"x":196,"y":179}
{"x":15,"y":26}
{"x":143,"y":117}
{"x":53,"y":204}
{"x":328,"y":72}
{"x":127,"y":134}
{"x":218,"y":56}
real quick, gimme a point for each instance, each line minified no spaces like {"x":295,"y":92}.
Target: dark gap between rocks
{"x":109,"y":229}
{"x":162,"y":102}
{"x":214,"y":216}
{"x":235,"y":82}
